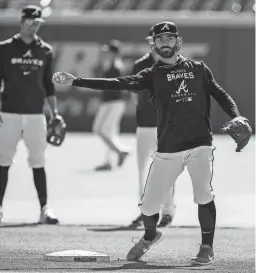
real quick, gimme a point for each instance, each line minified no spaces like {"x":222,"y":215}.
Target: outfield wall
{"x":226,"y":43}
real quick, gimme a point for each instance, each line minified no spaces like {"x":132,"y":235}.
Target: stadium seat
{"x":137,"y":5}
{"x":168,"y":5}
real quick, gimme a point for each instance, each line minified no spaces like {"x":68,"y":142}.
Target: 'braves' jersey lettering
{"x":35,"y":62}
{"x":183,"y":75}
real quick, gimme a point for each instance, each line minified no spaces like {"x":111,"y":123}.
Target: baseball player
{"x":108,"y":118}
{"x":146,"y":133}
{"x":181,"y":90}
{"x":26,"y":72}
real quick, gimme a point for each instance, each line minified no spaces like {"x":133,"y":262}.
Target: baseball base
{"x":76,"y":256}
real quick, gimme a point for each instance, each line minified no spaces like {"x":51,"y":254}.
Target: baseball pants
{"x":29,"y":127}
{"x":166,"y":168}
{"x":146,"y":146}
{"x":107,"y":122}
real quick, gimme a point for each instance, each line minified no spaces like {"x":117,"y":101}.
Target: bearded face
{"x":166,"y":45}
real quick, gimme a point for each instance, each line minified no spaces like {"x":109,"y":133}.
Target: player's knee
{"x":203,"y":199}
{"x":6,"y":160}
{"x":36,"y":161}
{"x":98,"y":130}
{"x":95,"y":129}
{"x":149,"y":210}
{"x":101,"y":132}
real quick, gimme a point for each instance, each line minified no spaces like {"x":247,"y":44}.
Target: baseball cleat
{"x":47,"y":217}
{"x":121,"y":158}
{"x":204,"y":256}
{"x":166,"y":220}
{"x":104,"y":167}
{"x":137,"y":222}
{"x":1,"y":214}
{"x":143,"y":246}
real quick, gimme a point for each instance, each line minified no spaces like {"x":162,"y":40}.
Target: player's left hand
{"x":63,"y":78}
{"x":240,"y":130}
{"x":56,"y":130}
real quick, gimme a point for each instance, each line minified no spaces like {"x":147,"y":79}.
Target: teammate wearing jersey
{"x":26,"y":71}
{"x":146,"y":133}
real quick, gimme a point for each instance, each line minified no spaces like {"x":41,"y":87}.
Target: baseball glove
{"x":56,"y":131}
{"x":240,"y":130}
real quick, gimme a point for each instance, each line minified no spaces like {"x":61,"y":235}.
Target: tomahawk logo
{"x":182,"y":87}
{"x":28,"y":54}
{"x":166,"y":26}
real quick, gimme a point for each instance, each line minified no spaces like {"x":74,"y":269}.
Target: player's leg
{"x":168,"y":209}
{"x":146,"y":146}
{"x":113,"y":125}
{"x":34,"y":135}
{"x":163,"y":173}
{"x":103,"y":127}
{"x":10,"y":134}
{"x":200,"y":168}
{"x":98,"y":123}
{"x":108,"y":127}
{"x":111,"y":129}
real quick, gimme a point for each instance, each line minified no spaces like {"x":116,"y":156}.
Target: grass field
{"x":92,"y":206}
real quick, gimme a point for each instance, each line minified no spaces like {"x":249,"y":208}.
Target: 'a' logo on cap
{"x":166,"y":26}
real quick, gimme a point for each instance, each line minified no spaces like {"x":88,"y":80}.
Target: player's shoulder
{"x":143,"y":59}
{"x":6,"y":42}
{"x":43,"y":45}
{"x":142,"y":63}
{"x":187,"y":62}
{"x":146,"y":71}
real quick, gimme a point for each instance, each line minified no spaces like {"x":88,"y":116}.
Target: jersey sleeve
{"x":219,"y":94}
{"x":140,"y":81}
{"x":47,"y":77}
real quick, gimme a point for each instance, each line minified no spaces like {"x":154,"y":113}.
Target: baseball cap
{"x":165,"y":27}
{"x":113,"y":46}
{"x":32,"y":12}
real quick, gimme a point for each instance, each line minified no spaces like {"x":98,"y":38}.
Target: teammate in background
{"x":146,"y":133}
{"x":181,"y":90}
{"x":26,"y":72}
{"x":108,"y":118}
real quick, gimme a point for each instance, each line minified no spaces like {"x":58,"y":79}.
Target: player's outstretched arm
{"x":140,"y":81}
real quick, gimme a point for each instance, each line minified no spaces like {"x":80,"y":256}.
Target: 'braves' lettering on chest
{"x":181,"y":75}
{"x":28,"y":59}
